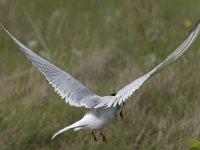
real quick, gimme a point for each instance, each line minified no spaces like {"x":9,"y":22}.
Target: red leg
{"x":94,"y":136}
{"x":103,"y":137}
{"x":121,"y":115}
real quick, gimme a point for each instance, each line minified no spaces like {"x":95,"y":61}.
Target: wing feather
{"x":123,"y":94}
{"x":74,"y":92}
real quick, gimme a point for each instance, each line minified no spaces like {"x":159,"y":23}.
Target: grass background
{"x":105,"y":45}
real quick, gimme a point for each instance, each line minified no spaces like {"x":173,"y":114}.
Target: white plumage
{"x":102,"y":109}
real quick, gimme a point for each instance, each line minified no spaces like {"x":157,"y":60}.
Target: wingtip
{"x":6,"y":30}
{"x":197,"y":24}
{"x":3,"y":27}
{"x":193,"y":28}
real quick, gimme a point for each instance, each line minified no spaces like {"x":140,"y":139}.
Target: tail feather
{"x":62,"y":130}
{"x":77,"y":126}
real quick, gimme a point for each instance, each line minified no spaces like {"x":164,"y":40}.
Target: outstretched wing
{"x":74,"y":93}
{"x":123,"y":94}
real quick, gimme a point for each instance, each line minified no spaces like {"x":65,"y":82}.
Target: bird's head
{"x":113,"y":94}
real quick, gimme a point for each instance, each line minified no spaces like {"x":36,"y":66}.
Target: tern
{"x":102,"y":109}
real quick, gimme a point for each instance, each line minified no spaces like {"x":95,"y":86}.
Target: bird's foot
{"x":103,"y":137}
{"x":94,"y":136}
{"x":121,"y":115}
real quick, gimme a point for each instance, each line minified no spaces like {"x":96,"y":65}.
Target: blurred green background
{"x":104,"y":44}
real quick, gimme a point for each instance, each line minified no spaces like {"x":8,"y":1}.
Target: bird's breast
{"x":101,"y":117}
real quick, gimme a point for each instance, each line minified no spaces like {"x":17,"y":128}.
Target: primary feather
{"x":74,"y":93}
{"x":124,"y":93}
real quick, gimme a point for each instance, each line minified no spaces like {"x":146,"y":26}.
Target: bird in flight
{"x":102,"y":109}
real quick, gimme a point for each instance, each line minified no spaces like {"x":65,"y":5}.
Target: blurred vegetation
{"x":105,"y":45}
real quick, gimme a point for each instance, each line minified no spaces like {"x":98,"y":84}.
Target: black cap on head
{"x":113,"y":94}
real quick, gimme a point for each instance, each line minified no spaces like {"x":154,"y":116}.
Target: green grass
{"x":105,"y":45}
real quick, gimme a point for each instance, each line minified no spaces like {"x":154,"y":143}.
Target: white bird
{"x":102,"y":109}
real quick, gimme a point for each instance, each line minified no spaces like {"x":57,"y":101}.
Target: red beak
{"x":121,"y":115}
